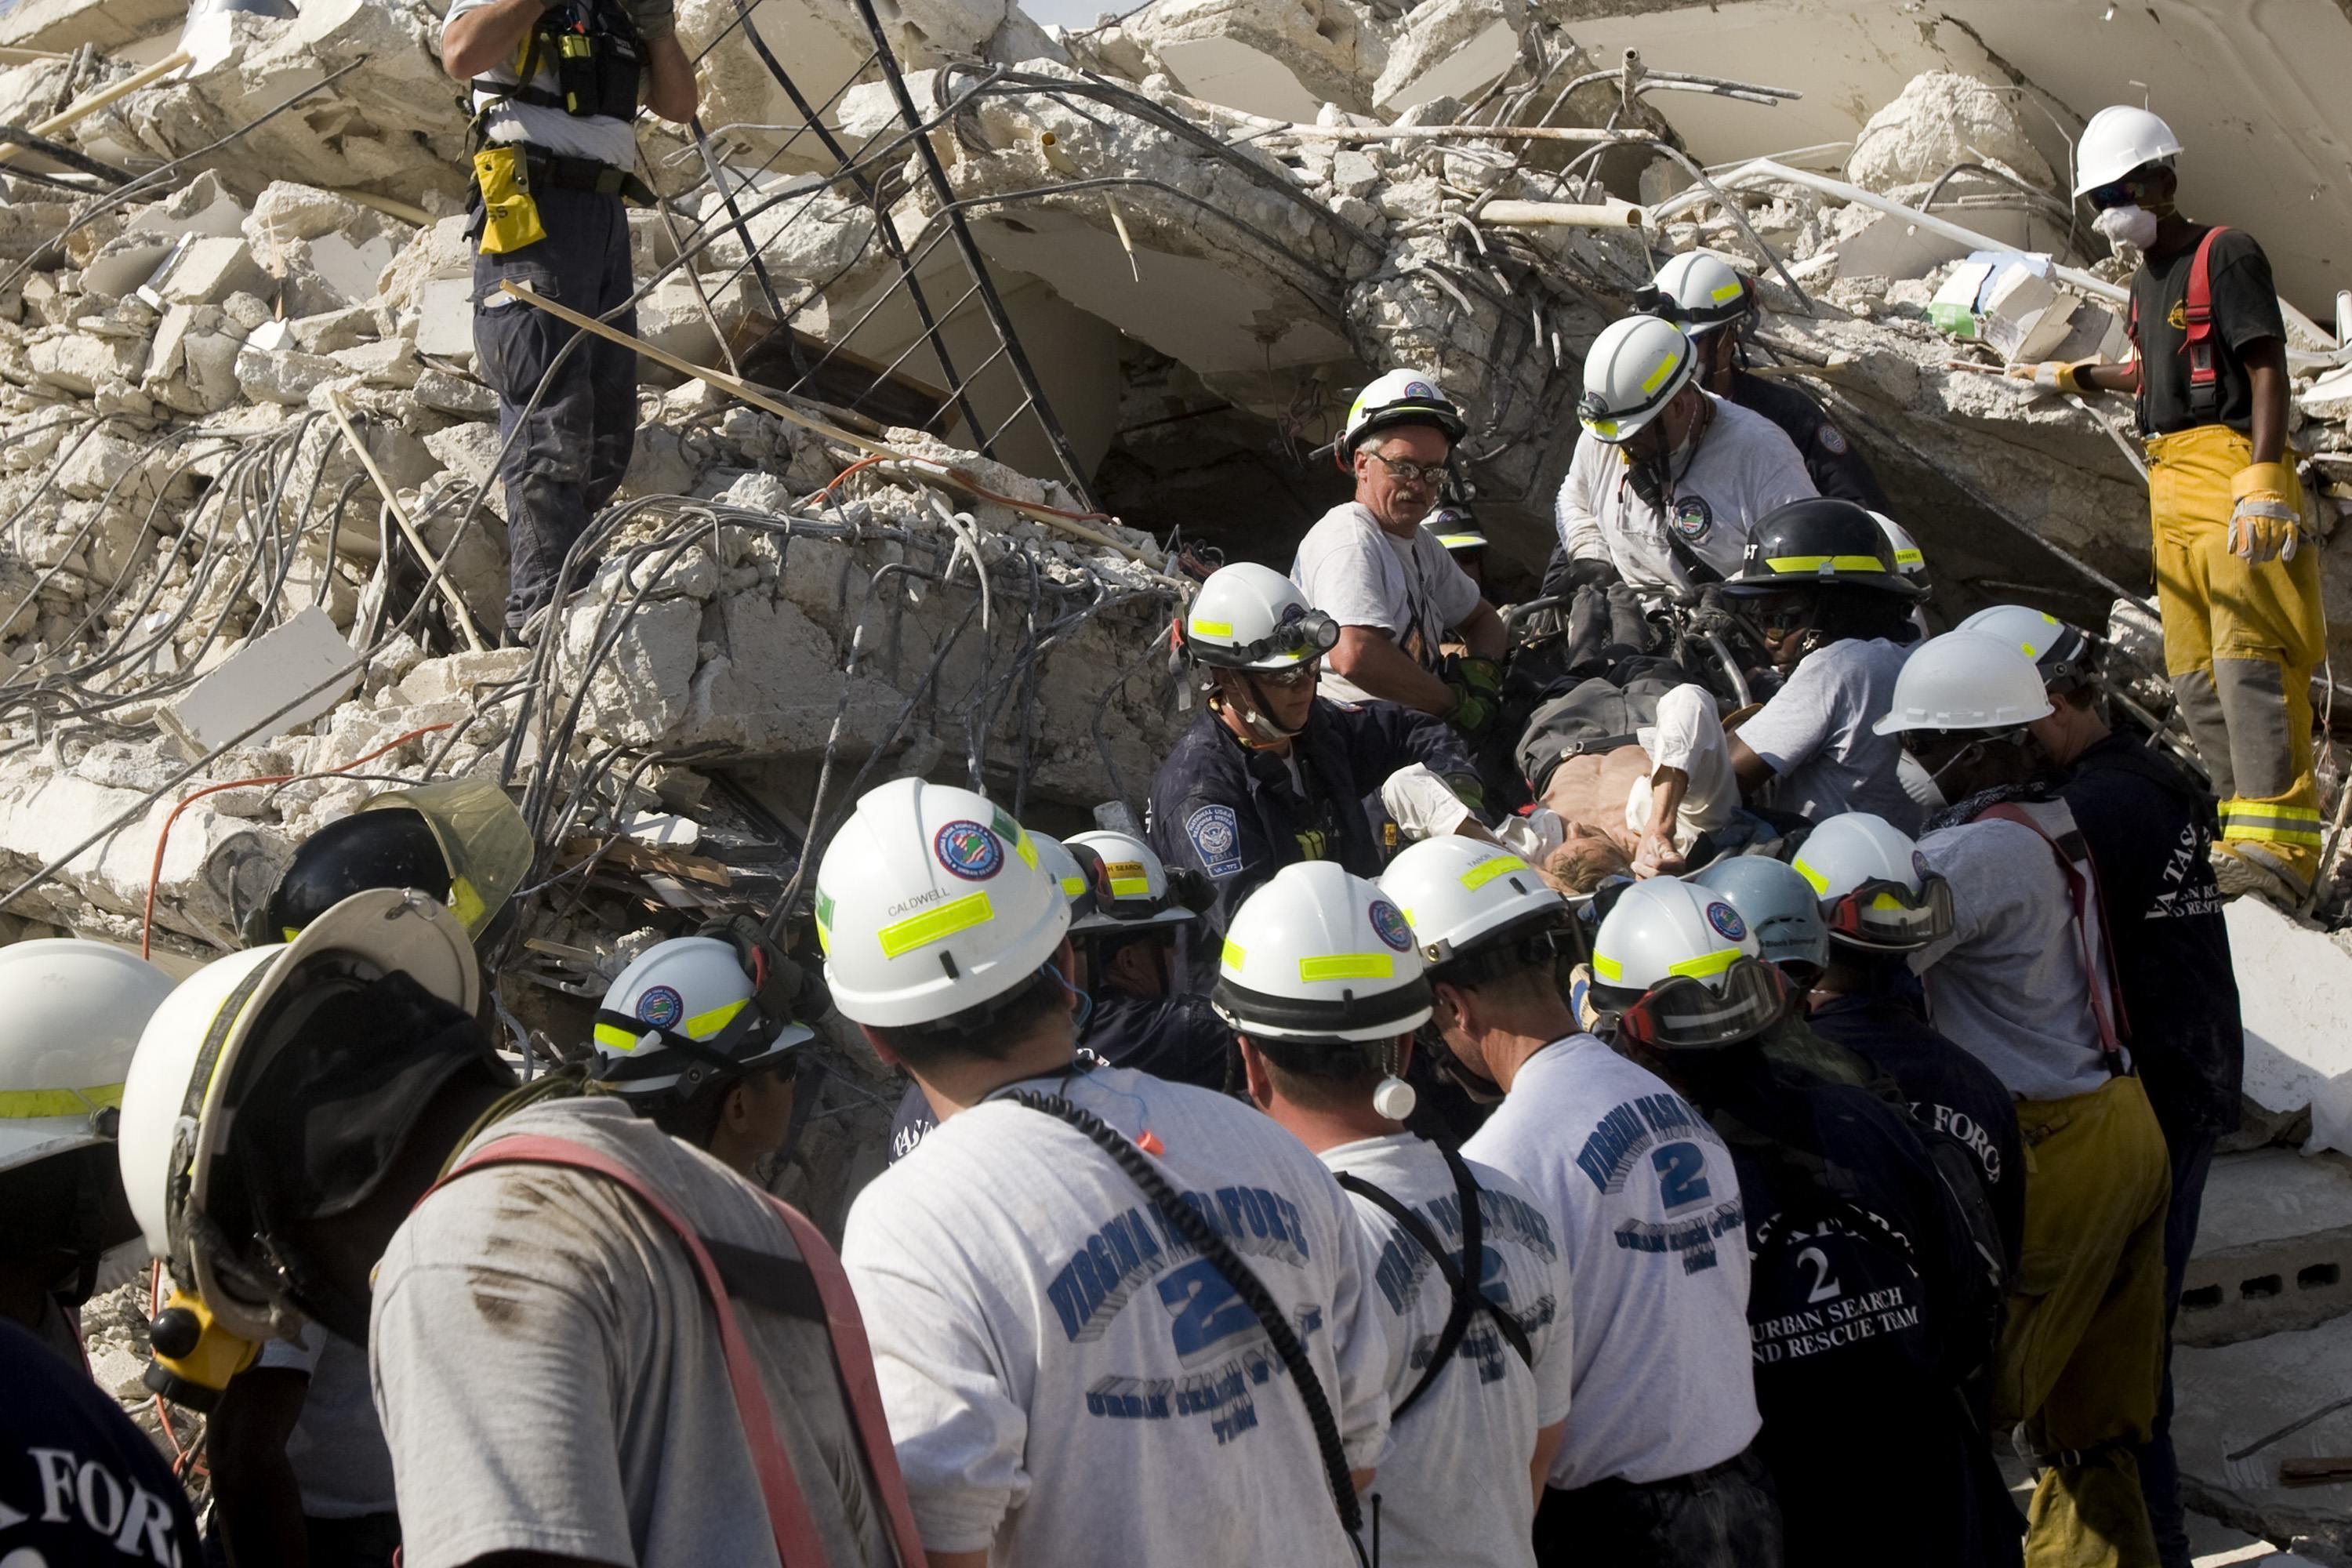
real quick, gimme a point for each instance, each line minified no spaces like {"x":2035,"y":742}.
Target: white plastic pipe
{"x":1610,"y":214}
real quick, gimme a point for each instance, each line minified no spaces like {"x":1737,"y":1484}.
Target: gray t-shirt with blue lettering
{"x":1068,"y":1380}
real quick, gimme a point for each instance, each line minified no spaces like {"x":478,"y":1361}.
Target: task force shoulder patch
{"x":1832,"y":440}
{"x":1215,"y":833}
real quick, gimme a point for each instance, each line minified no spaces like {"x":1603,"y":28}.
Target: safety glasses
{"x":2122,"y":193}
{"x":1883,"y":913}
{"x":1408,"y":473}
{"x":1295,"y":676}
{"x":1685,"y":1013}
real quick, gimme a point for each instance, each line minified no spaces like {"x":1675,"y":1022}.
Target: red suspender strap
{"x":2106,"y":1007}
{"x":796,"y":1539}
{"x":2204,"y":376}
{"x":854,"y":1361}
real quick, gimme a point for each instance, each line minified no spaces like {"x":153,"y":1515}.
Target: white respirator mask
{"x":2132,"y":226}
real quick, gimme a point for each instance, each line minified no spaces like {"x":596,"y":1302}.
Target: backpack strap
{"x":2204,"y":374}
{"x":2083,"y":896}
{"x":815,"y":1288}
{"x":1461,"y":1281}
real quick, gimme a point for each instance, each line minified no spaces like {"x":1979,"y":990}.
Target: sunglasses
{"x":2122,"y":193}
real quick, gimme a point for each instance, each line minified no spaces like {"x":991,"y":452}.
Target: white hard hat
{"x":1400,"y":397}
{"x":1127,"y":884}
{"x":2118,"y":140}
{"x":682,"y":1016}
{"x":202,"y":1052}
{"x":1965,"y":681}
{"x":1705,"y":290}
{"x":1636,"y":368}
{"x":1682,"y":968}
{"x":1909,"y":559}
{"x":75,"y":1012}
{"x":1319,"y":953}
{"x":931,"y":901}
{"x":2060,"y":652}
{"x":1872,"y":885}
{"x":1054,"y":858}
{"x":1248,"y":616}
{"x":1455,"y":528}
{"x":1778,"y":904}
{"x":1458,"y":892}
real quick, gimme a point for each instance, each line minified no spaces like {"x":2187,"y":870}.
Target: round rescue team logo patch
{"x":969,"y":851}
{"x":1693,"y":516}
{"x":1418,"y":389}
{"x":660,"y":1006}
{"x":1388,"y":923}
{"x":1726,"y":922}
{"x":1832,"y":440}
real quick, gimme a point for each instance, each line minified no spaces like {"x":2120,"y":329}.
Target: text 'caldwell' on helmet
{"x":930,"y":901}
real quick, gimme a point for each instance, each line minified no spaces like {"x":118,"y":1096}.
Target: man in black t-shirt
{"x":2240,"y":593}
{"x":2149,"y":827}
{"x":79,"y":1485}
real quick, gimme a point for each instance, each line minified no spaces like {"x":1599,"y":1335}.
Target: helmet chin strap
{"x":1264,"y":732}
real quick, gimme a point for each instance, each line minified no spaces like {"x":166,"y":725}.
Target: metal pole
{"x":938,"y":176}
{"x":882,"y":226}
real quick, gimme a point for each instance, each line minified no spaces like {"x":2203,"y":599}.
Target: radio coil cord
{"x":1181,"y":1215}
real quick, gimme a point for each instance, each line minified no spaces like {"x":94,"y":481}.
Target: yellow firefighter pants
{"x":2239,"y":644}
{"x":2081,"y":1345}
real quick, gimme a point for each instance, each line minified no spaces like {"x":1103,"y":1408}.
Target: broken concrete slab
{"x":2274,"y":1248}
{"x":2233,"y":1405}
{"x":205,"y":270}
{"x":268,"y":673}
{"x":1941,"y":120}
{"x":2294,"y":986}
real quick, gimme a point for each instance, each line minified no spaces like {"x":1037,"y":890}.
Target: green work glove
{"x":785,"y":990}
{"x":1478,"y":687}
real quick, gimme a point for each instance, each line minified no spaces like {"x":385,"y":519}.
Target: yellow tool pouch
{"x":509,"y":212}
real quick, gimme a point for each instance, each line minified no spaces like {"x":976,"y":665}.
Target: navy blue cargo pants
{"x":576,"y":443}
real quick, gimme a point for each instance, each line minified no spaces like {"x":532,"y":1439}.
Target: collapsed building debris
{"x":1021,"y":322}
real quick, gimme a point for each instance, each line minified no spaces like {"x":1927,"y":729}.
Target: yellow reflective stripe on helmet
{"x":1607,"y":968}
{"x":466,"y":904}
{"x":1025,"y":849}
{"x":1073,"y":886}
{"x":1604,"y":428}
{"x":1821,"y":884}
{"x":1834,"y":563}
{"x":1657,"y":378}
{"x":613,"y":1038}
{"x":935,"y":925}
{"x":1347,"y":966}
{"x":1233,"y":956}
{"x":1727,"y":293}
{"x":1909,"y":558}
{"x":1707,"y":964}
{"x":1886,"y":901}
{"x":1485,"y":871}
{"x":702,"y":1026}
{"x":1213,"y":628}
{"x":25,"y":1103}
{"x":1128,"y":879}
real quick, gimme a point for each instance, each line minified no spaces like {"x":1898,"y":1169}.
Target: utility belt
{"x":505,"y":174}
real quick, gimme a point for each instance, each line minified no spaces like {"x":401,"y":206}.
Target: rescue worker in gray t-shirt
{"x":1821,"y":584}
{"x":587,"y":1340}
{"x":555,"y":85}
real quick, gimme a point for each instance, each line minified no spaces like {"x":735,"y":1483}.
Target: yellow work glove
{"x":2265,"y":525}
{"x":2051,"y":375}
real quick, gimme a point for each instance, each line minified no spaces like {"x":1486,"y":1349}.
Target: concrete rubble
{"x":1207,"y":222}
